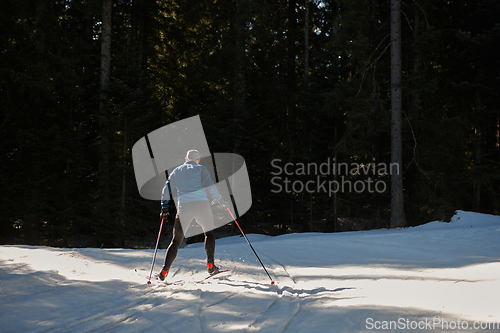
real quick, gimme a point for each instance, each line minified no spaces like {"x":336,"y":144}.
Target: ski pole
{"x":156,"y":248}
{"x":238,"y":225}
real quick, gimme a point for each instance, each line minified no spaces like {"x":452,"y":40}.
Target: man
{"x":191,"y":179}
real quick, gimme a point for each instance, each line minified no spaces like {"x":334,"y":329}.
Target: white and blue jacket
{"x":191,"y":179}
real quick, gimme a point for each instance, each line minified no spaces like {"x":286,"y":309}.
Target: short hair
{"x":193,"y":155}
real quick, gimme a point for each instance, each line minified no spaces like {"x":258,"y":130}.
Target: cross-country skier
{"x":191,"y":179}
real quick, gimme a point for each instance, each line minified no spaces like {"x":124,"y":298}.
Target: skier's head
{"x":193,"y":155}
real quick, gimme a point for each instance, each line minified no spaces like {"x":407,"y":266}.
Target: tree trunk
{"x":124,"y":174}
{"x":311,"y":228}
{"x":497,"y":135}
{"x":477,"y":156}
{"x":397,"y":205}
{"x":239,"y":83}
{"x":306,"y":45}
{"x":31,"y":220}
{"x":40,"y":34}
{"x":139,"y":33}
{"x":239,"y":59}
{"x":289,"y":84}
{"x":377,"y":112}
{"x":413,"y":172}
{"x":103,"y":101}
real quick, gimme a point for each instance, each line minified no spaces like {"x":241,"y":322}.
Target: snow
{"x":441,"y":276}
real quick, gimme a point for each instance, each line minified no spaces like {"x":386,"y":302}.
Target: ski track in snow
{"x":324,"y":283}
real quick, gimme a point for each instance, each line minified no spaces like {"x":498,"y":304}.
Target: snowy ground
{"x":433,"y":278}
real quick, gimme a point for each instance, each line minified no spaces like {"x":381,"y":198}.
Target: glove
{"x":223,"y":204}
{"x":164,"y":212}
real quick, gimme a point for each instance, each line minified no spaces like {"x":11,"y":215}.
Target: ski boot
{"x":212,"y":269}
{"x":162,"y":275}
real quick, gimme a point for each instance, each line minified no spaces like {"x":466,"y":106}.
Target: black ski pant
{"x":202,"y":213}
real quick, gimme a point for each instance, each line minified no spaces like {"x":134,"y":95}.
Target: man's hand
{"x":164,"y":212}
{"x":223,"y":204}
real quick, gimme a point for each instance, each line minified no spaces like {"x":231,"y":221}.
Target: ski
{"x":216,"y":274}
{"x":157,"y":280}
{"x":165,"y":282}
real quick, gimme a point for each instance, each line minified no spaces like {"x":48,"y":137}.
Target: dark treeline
{"x":275,"y":81}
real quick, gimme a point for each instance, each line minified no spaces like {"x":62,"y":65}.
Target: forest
{"x":298,"y":88}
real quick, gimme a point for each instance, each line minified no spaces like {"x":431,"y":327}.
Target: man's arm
{"x":167,"y":191}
